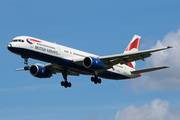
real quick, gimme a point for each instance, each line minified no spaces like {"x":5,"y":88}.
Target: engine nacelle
{"x":39,"y":71}
{"x":93,"y":63}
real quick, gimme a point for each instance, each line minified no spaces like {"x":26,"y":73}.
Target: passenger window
{"x":22,"y":40}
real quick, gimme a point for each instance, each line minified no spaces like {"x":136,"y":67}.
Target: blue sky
{"x":100,"y":27}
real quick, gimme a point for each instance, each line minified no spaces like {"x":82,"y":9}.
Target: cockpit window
{"x":17,"y":40}
{"x":14,"y":40}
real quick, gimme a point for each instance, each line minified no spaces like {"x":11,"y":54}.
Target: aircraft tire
{"x":92,"y":79}
{"x":62,"y":83}
{"x":66,"y":84}
{"x":95,"y":82}
{"x":69,"y":84}
{"x":99,"y":81}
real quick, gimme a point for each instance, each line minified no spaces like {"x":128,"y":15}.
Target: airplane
{"x":69,"y":61}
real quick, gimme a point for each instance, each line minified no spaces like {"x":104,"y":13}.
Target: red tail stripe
{"x":134,"y":44}
{"x":130,"y":65}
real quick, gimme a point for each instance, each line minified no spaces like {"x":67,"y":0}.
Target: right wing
{"x":53,"y":68}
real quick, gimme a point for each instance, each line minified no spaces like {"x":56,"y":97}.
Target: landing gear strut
{"x":25,"y":62}
{"x":65,"y":83}
{"x":95,"y":80}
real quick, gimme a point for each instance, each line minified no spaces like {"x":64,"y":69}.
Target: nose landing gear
{"x":25,"y":62}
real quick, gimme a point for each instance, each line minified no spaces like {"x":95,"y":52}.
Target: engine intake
{"x":39,"y":71}
{"x":93,"y":63}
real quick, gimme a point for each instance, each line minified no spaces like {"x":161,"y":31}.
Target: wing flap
{"x":149,"y":69}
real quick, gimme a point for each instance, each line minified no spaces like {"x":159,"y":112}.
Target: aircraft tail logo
{"x":133,"y":47}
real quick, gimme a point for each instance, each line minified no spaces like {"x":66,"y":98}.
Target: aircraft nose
{"x":9,"y":47}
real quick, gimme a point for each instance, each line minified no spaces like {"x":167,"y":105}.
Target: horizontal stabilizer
{"x":149,"y":69}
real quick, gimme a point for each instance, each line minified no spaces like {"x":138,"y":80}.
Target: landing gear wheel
{"x":99,"y":81}
{"x":62,"y":83}
{"x":66,"y":84}
{"x":26,"y":68}
{"x":69,"y":84}
{"x":92,"y":79}
{"x":95,"y":80}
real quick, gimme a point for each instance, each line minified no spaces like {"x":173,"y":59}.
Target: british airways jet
{"x":69,"y":61}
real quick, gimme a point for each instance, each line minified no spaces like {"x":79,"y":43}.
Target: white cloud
{"x":171,"y":56}
{"x":167,"y":78}
{"x":157,"y":110}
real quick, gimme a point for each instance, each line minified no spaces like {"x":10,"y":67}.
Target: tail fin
{"x":133,"y":47}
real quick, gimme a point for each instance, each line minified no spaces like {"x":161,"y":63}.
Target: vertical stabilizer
{"x":133,"y":47}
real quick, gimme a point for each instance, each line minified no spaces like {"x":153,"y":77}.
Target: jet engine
{"x":40,"y":71}
{"x":93,"y":63}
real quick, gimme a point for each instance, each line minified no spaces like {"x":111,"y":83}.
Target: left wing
{"x":129,"y":57}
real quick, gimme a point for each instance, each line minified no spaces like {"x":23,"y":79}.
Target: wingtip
{"x":164,"y":67}
{"x":169,"y":47}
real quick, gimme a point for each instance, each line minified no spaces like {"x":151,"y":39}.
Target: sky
{"x":103,"y":27}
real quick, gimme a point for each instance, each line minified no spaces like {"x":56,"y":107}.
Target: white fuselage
{"x":64,"y":57}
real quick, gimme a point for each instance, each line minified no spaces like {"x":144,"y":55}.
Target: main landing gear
{"x":65,"y":83}
{"x":25,"y":62}
{"x":95,"y":80}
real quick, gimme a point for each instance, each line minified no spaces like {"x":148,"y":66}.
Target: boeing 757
{"x":69,"y":61}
